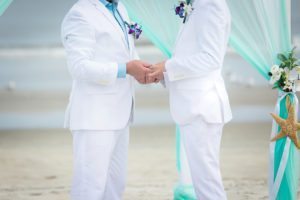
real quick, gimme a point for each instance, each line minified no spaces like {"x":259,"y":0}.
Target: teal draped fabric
{"x":289,"y":185}
{"x":260,"y":30}
{"x":4,"y":5}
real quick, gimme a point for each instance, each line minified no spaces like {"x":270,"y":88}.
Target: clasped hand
{"x":146,"y":73}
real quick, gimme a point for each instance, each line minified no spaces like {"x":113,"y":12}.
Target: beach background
{"x":36,"y":153}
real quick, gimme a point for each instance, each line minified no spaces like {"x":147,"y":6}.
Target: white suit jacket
{"x":95,"y":44}
{"x":193,"y":74}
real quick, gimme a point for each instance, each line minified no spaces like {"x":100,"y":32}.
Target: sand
{"x":37,"y":164}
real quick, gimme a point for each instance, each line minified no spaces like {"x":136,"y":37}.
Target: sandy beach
{"x":37,"y":164}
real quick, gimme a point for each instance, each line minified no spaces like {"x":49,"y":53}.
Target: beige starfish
{"x":289,"y":126}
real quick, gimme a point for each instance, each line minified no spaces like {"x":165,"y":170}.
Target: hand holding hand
{"x":139,"y":70}
{"x":156,"y":73}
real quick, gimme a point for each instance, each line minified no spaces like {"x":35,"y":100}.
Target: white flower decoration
{"x":274,"y":69}
{"x":276,"y":72}
{"x":288,"y":85}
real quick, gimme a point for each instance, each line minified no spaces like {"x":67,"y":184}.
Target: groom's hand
{"x":139,"y":70}
{"x":156,"y":72}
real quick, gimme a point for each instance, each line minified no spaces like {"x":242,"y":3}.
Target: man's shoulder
{"x":80,"y":8}
{"x":78,"y":11}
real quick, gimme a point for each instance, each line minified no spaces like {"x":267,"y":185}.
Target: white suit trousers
{"x":100,"y":164}
{"x":201,"y":143}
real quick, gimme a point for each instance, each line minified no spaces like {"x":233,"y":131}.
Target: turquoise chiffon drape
{"x":260,"y":30}
{"x":4,"y":5}
{"x":289,"y":185}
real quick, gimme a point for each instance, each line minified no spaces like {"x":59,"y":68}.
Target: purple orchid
{"x":184,"y":9}
{"x":135,"y":30}
{"x":179,"y":10}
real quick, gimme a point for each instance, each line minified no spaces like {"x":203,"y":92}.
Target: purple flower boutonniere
{"x":184,"y":9}
{"x":134,"y":29}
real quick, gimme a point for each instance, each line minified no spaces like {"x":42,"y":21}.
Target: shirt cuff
{"x":122,"y":71}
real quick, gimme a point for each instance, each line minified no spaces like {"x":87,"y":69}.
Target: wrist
{"x":130,"y":66}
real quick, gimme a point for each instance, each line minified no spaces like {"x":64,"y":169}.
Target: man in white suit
{"x":198,"y":98}
{"x":102,"y":61}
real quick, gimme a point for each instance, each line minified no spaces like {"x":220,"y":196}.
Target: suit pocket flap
{"x":97,"y":88}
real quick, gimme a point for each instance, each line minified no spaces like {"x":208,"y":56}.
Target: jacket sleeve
{"x":209,"y":23}
{"x":78,"y":38}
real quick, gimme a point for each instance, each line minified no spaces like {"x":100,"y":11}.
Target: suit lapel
{"x":108,"y":15}
{"x":126,"y":19}
{"x":178,"y":37}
